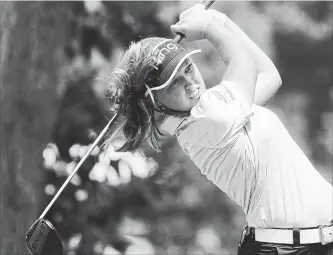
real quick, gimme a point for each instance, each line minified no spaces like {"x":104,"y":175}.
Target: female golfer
{"x":242,"y":147}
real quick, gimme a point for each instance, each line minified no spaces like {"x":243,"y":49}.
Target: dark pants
{"x":251,"y":247}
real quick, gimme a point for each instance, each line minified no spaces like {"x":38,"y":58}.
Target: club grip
{"x":180,"y":36}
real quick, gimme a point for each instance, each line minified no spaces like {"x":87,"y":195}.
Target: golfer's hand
{"x":194,"y":21}
{"x":191,"y":23}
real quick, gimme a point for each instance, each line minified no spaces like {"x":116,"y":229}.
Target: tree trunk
{"x":31,"y":35}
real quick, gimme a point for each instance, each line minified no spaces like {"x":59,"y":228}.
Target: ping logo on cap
{"x":165,"y":49}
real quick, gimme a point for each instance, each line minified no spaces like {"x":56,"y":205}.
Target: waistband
{"x":321,"y":234}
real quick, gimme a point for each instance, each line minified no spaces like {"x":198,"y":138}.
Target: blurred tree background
{"x":52,"y":107}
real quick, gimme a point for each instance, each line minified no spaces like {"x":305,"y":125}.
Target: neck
{"x":162,"y":112}
{"x":171,"y":112}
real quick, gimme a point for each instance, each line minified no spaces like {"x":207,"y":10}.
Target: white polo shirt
{"x":249,"y":154}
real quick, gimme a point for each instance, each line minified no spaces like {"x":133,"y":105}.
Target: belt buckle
{"x":325,"y":239}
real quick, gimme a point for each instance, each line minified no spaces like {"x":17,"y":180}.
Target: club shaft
{"x":208,"y":4}
{"x":180,"y":36}
{"x":78,"y":166}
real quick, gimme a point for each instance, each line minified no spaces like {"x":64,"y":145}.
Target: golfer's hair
{"x":128,"y":85}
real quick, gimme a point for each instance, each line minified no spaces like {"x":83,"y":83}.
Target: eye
{"x":173,"y":83}
{"x":189,"y":68}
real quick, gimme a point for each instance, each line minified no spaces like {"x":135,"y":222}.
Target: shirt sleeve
{"x":224,"y":106}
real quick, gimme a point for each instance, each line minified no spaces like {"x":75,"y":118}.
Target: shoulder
{"x":221,"y":94}
{"x":221,"y":103}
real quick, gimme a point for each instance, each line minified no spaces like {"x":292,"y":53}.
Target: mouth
{"x":195,"y":94}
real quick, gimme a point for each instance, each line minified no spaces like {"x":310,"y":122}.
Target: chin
{"x":193,"y":103}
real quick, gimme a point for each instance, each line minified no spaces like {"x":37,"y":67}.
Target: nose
{"x":188,"y":81}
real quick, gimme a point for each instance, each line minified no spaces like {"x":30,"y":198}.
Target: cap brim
{"x":171,"y":69}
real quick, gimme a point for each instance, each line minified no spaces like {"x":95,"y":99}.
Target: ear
{"x":157,"y":103}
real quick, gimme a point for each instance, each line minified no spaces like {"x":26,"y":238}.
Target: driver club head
{"x":42,"y":238}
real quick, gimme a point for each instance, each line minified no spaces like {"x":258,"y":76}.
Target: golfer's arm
{"x":268,"y":80}
{"x":241,"y":64}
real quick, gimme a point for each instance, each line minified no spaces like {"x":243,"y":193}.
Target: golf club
{"x":42,"y":238}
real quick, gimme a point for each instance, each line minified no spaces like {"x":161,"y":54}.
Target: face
{"x":183,"y":93}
